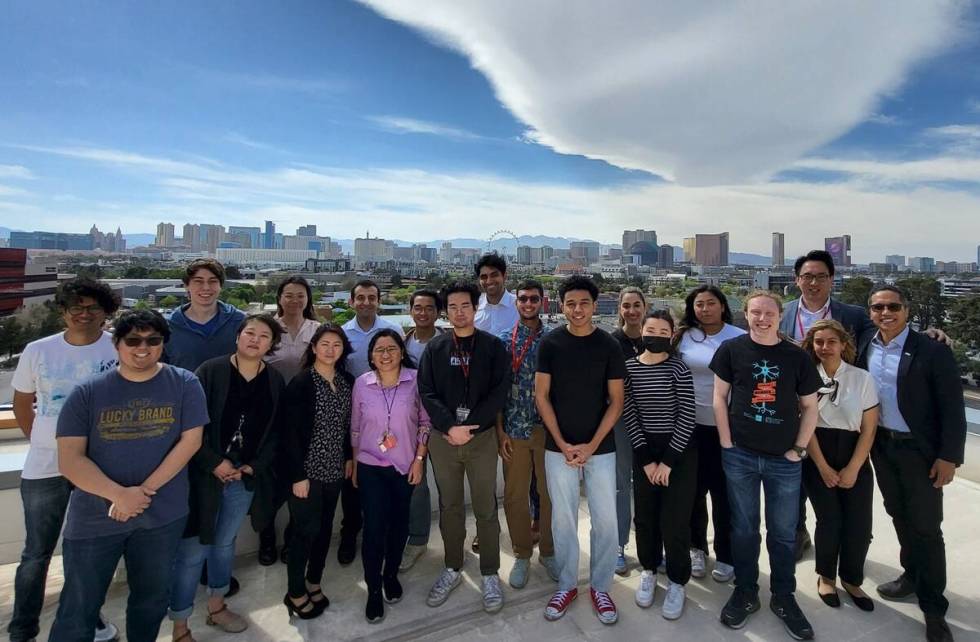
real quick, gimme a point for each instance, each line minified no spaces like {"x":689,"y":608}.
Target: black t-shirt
{"x":248,"y":406}
{"x":631,"y":347}
{"x":580,"y":368}
{"x":767,"y":382}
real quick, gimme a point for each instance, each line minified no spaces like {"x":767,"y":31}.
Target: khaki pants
{"x":527,"y":455}
{"x":477,"y":461}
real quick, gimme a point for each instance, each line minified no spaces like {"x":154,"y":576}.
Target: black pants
{"x":843,"y":532}
{"x":350,"y":500}
{"x":916,"y":509}
{"x":711,"y":479}
{"x":662,"y":517}
{"x":387,"y":497}
{"x":312,"y":520}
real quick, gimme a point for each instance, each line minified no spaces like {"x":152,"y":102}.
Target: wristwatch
{"x":419,"y":457}
{"x":799,"y":451}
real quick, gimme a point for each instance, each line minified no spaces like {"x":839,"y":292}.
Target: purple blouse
{"x":409,"y":422}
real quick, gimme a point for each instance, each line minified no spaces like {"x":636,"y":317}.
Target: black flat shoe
{"x":864,"y":603}
{"x":830,"y":599}
{"x":305,"y":610}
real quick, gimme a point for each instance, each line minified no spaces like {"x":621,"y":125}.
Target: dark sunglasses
{"x":135,"y":342}
{"x":881,"y":307}
{"x":532,"y":298}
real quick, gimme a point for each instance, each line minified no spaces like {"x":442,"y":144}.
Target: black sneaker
{"x":937,"y":630}
{"x":740,"y":605}
{"x":901,"y":588}
{"x":267,"y":549}
{"x":233,"y":587}
{"x":392,"y":589}
{"x":787,"y":610}
{"x":347,"y":550}
{"x":374,"y":612}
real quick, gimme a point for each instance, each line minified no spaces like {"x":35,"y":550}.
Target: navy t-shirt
{"x":131,"y":427}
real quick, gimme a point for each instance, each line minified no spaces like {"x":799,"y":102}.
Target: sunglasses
{"x":135,"y":342}
{"x":881,"y":307}
{"x":529,"y":298}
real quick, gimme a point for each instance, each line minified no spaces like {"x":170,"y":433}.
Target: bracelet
{"x":419,"y":457}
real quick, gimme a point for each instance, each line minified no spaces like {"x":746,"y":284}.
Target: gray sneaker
{"x":410,"y":556}
{"x":723,"y":572}
{"x":518,"y":574}
{"x":697,"y":563}
{"x":105,"y":631}
{"x":550,"y":565}
{"x":674,"y":602}
{"x":493,"y":596}
{"x":439,"y":593}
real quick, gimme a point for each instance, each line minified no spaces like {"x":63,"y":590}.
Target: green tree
{"x":856,"y":290}
{"x":232,"y":272}
{"x":169,"y":301}
{"x":136,"y":272}
{"x":174,"y":273}
{"x":964,"y":320}
{"x":141,"y":305}
{"x":396,"y":280}
{"x":12,"y":335}
{"x":342,"y":315}
{"x":926,"y":306}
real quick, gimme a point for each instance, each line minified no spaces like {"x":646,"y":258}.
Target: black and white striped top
{"x":659,"y":410}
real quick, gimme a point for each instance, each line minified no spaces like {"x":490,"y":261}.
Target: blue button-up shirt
{"x":883,"y":363}
{"x":521,"y":413}
{"x":357,"y":361}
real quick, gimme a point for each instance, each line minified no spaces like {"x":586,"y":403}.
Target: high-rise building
{"x":922,"y":264}
{"x":192,"y":238}
{"x":270,"y":235}
{"x":373,"y":250}
{"x":524,"y":255}
{"x":898,"y":260}
{"x":210,"y":236}
{"x":631,"y":237}
{"x":778,"y":249}
{"x":711,"y":249}
{"x":306,"y":230}
{"x":165,"y":235}
{"x":51,"y":241}
{"x":584,"y":252}
{"x":446,"y":252}
{"x":690,"y":248}
{"x":253,"y":234}
{"x":839,"y":248}
{"x":666,"y":258}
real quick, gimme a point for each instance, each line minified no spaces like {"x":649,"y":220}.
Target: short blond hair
{"x":755,"y":294}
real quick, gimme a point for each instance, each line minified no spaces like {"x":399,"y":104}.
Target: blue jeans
{"x":89,"y":566}
{"x":191,"y":553}
{"x":600,"y":490}
{"x":780,"y":481}
{"x":45,"y":503}
{"x":624,"y":481}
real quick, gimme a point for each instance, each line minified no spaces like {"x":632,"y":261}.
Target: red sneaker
{"x":604,"y":607}
{"x":559,"y":603}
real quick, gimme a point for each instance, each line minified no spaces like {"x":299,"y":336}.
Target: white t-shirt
{"x":497,"y":317}
{"x":416,"y":348}
{"x":697,"y":350}
{"x":856,"y":392}
{"x":50,"y":368}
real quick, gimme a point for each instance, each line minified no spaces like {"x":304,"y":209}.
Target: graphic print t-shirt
{"x":131,"y":427}
{"x":767,"y":382}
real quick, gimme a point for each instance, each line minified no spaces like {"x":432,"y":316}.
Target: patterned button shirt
{"x":520,"y":413}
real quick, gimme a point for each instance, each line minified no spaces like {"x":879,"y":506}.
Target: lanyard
{"x":463,"y":356}
{"x":389,"y":404}
{"x":516,"y":360}
{"x":799,"y":320}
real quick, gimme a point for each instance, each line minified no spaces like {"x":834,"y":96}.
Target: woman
{"x":231,"y":474}
{"x":316,"y":459}
{"x":707,"y":324}
{"x":632,"y":309}
{"x":837,"y":474}
{"x":294,"y":301}
{"x":659,"y":415}
{"x":389,"y":435}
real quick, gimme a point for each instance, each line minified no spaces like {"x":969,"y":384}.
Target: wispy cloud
{"x":884,"y":119}
{"x":243,"y":140}
{"x":403,"y":125}
{"x":15,"y":171}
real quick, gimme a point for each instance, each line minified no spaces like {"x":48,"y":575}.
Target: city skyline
{"x":405,"y":117}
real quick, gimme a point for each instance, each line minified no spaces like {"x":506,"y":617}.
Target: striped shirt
{"x":659,"y":410}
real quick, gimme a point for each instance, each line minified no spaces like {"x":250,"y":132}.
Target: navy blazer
{"x":854,"y":318}
{"x":930,"y":396}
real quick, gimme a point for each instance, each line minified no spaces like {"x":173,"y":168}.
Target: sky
{"x":426,"y":119}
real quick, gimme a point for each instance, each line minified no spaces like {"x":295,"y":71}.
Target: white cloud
{"x":884,"y":119}
{"x":402,"y":125}
{"x":703,"y":93}
{"x":243,"y":140}
{"x":15,"y":171}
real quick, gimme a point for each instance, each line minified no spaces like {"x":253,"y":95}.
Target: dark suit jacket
{"x":930,"y":396}
{"x":854,"y":319}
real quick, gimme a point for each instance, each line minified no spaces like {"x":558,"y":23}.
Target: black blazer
{"x":930,"y":396}
{"x":854,"y":318}
{"x":299,"y":414}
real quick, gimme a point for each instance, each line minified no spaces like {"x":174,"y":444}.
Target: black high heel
{"x":324,"y":603}
{"x":299,"y":609}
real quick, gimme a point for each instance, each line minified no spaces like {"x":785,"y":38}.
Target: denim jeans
{"x":191,"y":553}
{"x":45,"y":503}
{"x":780,"y":481}
{"x":89,"y":567}
{"x":600,"y":490}
{"x":420,"y":511}
{"x":624,"y":482}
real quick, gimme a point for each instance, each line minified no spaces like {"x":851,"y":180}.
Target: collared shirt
{"x":370,"y":420}
{"x":852,"y":391}
{"x":883,"y":363}
{"x":521,"y":413}
{"x":805,"y":319}
{"x":289,"y":355}
{"x":497,"y":317}
{"x":357,"y":361}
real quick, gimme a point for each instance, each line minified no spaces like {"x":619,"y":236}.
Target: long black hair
{"x":406,"y":361}
{"x":690,"y":319}
{"x":308,"y":312}
{"x":309,"y":357}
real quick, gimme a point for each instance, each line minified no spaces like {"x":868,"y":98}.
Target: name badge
{"x":387,"y":442}
{"x":462,"y":414}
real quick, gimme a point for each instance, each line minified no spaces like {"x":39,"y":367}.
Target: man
{"x":365,"y":297}
{"x":764,"y":431}
{"x":424,"y":306}
{"x":124,"y":440}
{"x":497,"y":312}
{"x":48,"y":370}
{"x":463,"y":382}
{"x":578,"y":389}
{"x":920,"y":441}
{"x":521,"y":438}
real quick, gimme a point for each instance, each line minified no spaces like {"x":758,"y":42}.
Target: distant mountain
{"x":505,"y":244}
{"x":740,"y":258}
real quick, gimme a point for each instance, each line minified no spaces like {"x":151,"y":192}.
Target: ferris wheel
{"x":498,"y":235}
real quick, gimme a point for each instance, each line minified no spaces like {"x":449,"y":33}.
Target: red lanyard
{"x":799,"y":320}
{"x":517,"y":359}
{"x":463,"y":356}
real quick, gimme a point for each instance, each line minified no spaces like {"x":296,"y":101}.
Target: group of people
{"x":158,"y":439}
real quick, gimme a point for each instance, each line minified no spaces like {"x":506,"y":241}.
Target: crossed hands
{"x":459,"y":435}
{"x":657,"y":474}
{"x":226,"y":471}
{"x":130,"y":502}
{"x":576,"y":456}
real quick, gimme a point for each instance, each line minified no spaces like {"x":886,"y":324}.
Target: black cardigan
{"x":205,"y":488}
{"x":299,"y":415}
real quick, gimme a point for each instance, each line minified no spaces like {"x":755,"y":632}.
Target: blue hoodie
{"x":188,"y":347}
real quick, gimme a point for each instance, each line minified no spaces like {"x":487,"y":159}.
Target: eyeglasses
{"x":814,"y":278}
{"x":388,"y":350}
{"x":881,"y":307}
{"x":135,"y":342}
{"x":75,"y":310}
{"x":529,"y":298}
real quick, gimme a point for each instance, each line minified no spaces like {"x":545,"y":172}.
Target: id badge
{"x":462,"y":414}
{"x":515,"y":390}
{"x":387,"y":442}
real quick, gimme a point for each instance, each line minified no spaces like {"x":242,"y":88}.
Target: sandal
{"x":230,"y":622}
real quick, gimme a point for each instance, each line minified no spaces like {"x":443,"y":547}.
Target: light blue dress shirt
{"x":357,"y":361}
{"x":883,"y":363}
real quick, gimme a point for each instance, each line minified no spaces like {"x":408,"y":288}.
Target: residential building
{"x":165,"y":235}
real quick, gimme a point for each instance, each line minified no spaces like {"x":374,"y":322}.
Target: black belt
{"x":893,"y":435}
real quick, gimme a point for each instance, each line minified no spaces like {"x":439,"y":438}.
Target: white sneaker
{"x":697,"y":563}
{"x":439,"y":593}
{"x":723,"y":573}
{"x":410,"y":556}
{"x":105,"y":631}
{"x":493,"y":595}
{"x":673,"y":604}
{"x":645,"y":591}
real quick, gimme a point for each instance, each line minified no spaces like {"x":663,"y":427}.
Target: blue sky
{"x":421,"y":120}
